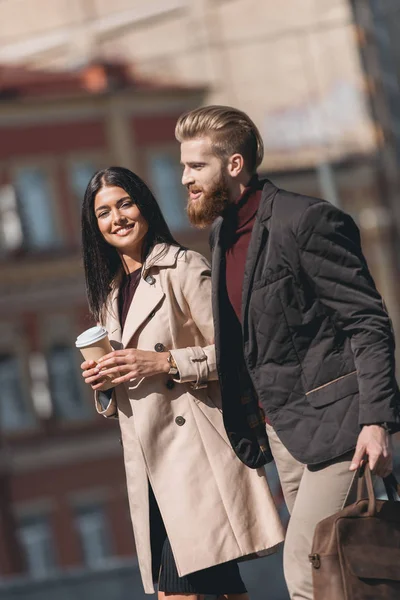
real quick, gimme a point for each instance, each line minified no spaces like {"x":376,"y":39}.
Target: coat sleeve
{"x":197,"y":364}
{"x":106,"y":403}
{"x":332,"y":260}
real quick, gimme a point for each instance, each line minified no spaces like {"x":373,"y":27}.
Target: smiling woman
{"x":154,"y":299}
{"x":121,"y":224}
{"x":114,"y":199}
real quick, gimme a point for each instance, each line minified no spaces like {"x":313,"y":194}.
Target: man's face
{"x":207,"y":181}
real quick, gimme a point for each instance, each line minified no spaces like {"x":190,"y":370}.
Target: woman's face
{"x":119,"y":219}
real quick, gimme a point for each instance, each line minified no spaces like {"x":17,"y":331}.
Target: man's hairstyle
{"x":231,"y":131}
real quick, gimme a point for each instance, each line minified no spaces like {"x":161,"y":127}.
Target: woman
{"x":194,"y":507}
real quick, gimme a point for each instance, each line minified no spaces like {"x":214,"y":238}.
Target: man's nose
{"x":187,"y":177}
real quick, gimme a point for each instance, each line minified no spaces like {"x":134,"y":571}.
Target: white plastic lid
{"x":91,"y":336}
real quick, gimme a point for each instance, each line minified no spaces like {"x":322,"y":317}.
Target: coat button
{"x":170,"y":384}
{"x":159,"y":347}
{"x":180,"y":421}
{"x":152,"y":315}
{"x":150,"y":280}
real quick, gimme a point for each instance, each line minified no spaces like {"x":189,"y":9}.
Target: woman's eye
{"x":101,"y":215}
{"x":125,"y":204}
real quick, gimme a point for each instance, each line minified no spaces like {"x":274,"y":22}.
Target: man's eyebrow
{"x":193,"y":162}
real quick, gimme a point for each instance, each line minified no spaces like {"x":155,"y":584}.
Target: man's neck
{"x":238,"y":188}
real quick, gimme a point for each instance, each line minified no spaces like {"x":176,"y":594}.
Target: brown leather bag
{"x":356,"y":552}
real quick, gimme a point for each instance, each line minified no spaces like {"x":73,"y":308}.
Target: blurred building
{"x":294,"y":66}
{"x":61,"y":468}
{"x":301,"y":68}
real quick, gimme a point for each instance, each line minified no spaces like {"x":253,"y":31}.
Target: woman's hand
{"x":92,"y":377}
{"x":129,"y":364}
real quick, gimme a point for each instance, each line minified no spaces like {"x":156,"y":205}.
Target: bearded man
{"x":305,"y":347}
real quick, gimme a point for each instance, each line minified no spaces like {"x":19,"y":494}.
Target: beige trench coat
{"x":214,"y":508}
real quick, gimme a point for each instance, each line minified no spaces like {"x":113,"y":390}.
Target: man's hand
{"x":375,"y":443}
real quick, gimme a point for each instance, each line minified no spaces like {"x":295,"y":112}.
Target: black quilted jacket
{"x":316,"y":339}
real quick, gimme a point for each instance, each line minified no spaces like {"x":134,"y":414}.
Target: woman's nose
{"x":118,"y":217}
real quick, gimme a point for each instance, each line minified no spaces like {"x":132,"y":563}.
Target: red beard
{"x":213,"y":204}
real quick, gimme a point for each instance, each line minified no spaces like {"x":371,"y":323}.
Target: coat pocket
{"x":333,"y":390}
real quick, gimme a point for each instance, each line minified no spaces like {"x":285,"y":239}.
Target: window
{"x":11,"y":236}
{"x":14,"y":413}
{"x":35,"y":208}
{"x":94,"y":534}
{"x":68,"y":401}
{"x":80,"y":173}
{"x":40,"y":392}
{"x":165,"y":173}
{"x":37,"y":542}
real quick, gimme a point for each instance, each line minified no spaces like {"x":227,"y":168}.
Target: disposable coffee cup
{"x":93,"y":344}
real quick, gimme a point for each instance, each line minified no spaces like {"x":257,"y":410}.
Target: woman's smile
{"x":123,"y":231}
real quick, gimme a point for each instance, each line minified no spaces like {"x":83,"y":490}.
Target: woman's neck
{"x":131,"y":261}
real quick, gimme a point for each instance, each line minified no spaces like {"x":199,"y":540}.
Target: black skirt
{"x":218,"y":580}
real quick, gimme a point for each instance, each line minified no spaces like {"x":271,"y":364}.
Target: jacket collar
{"x":269,"y":192}
{"x":162,"y":255}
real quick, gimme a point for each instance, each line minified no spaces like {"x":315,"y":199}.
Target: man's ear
{"x":235,"y":165}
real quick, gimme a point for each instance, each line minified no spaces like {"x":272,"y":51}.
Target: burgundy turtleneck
{"x":236,"y":253}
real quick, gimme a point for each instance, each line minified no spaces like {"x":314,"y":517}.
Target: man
{"x":302,"y":335}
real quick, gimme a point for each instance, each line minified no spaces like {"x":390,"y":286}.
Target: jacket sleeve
{"x":106,"y":404}
{"x":197,"y":364}
{"x":332,"y":260}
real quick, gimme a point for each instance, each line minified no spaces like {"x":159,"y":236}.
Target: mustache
{"x":211,"y":205}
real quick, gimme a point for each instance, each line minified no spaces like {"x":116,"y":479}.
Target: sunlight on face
{"x":119,"y":219}
{"x":206,"y":180}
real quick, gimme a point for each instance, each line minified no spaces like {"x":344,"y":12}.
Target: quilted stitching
{"x":314,"y":314}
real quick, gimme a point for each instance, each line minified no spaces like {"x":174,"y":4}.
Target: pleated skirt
{"x":218,"y":580}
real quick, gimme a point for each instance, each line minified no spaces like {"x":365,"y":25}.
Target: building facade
{"x":61,"y":469}
{"x":297,"y":67}
{"x":293,"y":66}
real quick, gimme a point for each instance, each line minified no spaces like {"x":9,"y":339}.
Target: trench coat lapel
{"x":113,"y":324}
{"x":149,"y":293}
{"x":147,"y":297}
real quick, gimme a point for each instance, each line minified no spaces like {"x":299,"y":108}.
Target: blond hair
{"x":231,"y":131}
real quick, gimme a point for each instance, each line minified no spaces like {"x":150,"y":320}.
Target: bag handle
{"x":392,"y":487}
{"x":364,"y":476}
